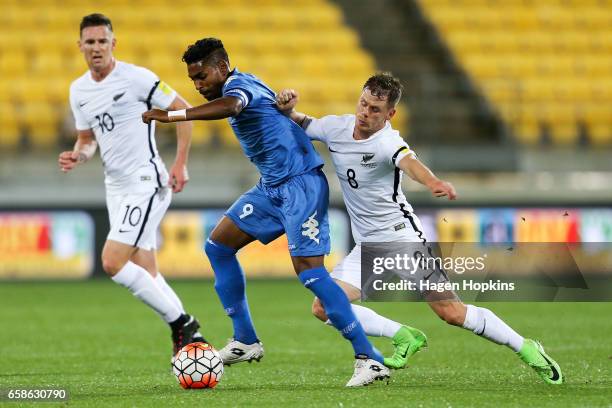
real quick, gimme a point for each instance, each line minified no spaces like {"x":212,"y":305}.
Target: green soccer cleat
{"x":533,"y":354}
{"x":407,"y":341}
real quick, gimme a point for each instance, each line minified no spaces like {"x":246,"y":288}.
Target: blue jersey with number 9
{"x":274,"y":143}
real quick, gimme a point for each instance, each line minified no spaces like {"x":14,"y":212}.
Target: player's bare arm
{"x":178,"y":172}
{"x":220,"y":108}
{"x":287,"y":100}
{"x":422,"y":174}
{"x":84,"y":149}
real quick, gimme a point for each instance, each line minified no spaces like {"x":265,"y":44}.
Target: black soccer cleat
{"x":198,"y":338}
{"x":184,"y":332}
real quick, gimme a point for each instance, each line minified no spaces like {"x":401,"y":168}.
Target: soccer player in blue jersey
{"x":291,"y":197}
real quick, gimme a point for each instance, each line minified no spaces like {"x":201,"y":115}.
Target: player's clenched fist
{"x":441,"y":188}
{"x":178,"y":177}
{"x":287,"y":99}
{"x":155,"y":114}
{"x":68,"y":160}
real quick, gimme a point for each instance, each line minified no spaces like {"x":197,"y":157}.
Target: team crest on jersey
{"x":366,"y":160}
{"x":311,"y":229}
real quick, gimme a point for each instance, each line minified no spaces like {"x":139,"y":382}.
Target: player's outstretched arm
{"x":178,"y":172}
{"x":286,"y":101}
{"x":84,"y":149}
{"x":421,"y":173}
{"x":220,"y":108}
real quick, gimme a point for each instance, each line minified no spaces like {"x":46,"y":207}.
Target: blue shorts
{"x":297,"y":207}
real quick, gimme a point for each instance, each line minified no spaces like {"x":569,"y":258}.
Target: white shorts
{"x":349,"y":269}
{"x":135,"y":218}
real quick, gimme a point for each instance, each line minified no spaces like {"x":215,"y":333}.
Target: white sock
{"x":161,"y":282}
{"x":374,"y":324}
{"x":484,"y":322}
{"x":142,"y":285}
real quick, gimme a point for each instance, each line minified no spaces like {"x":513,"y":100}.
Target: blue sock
{"x":230,"y":286}
{"x":338,"y":310}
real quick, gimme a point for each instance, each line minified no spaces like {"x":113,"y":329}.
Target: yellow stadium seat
{"x":11,"y":42}
{"x":592,"y":17}
{"x":399,"y":121}
{"x":595,"y":114}
{"x":564,"y":134}
{"x":6,"y":90}
{"x":58,"y":18}
{"x":40,"y":121}
{"x":312,"y":67}
{"x":527,"y":132}
{"x":601,"y":91}
{"x":483,"y":67}
{"x":465,"y":42}
{"x":227,"y":136}
{"x":29,"y":91}
{"x":285,"y":46}
{"x":521,"y":19}
{"x":75,"y":65}
{"x":48,"y":63}
{"x":276,"y":18}
{"x":9,"y":132}
{"x":18,"y":16}
{"x":271,"y":67}
{"x":202,"y":133}
{"x":556,"y":53}
{"x":13,"y":64}
{"x":242,"y":19}
{"x":501,"y":90}
{"x":321,"y":16}
{"x":601,"y":134}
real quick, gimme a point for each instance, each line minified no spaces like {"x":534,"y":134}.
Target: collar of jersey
{"x":231,"y":74}
{"x":117,"y":62}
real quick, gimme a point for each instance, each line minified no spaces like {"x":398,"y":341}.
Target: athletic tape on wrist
{"x":173,"y":116}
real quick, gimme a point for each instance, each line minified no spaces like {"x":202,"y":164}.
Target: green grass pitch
{"x":96,"y":340}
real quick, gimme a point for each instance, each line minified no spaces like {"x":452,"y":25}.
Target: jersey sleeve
{"x":395,"y":149}
{"x":151,"y":90}
{"x":80,"y":121}
{"x":238,"y":88}
{"x":318,"y":129}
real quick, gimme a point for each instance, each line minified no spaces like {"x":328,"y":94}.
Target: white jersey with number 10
{"x":112,"y":108}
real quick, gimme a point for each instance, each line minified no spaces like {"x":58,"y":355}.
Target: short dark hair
{"x":95,"y":20}
{"x":384,"y":84}
{"x":208,"y":50}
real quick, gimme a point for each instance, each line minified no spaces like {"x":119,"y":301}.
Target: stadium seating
{"x":546,"y":65}
{"x":305,"y":46}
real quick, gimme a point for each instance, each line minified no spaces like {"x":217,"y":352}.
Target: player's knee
{"x":111,"y":265}
{"x":216,"y":250}
{"x":453,"y":316}
{"x":451,"y":312}
{"x":318,"y":311}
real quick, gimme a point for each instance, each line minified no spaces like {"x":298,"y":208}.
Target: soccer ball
{"x":198,"y":365}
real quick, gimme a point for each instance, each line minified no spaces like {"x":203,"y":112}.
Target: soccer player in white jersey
{"x":107,"y":103}
{"x":370,"y":157}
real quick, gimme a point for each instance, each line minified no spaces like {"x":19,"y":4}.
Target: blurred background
{"x":509,"y":100}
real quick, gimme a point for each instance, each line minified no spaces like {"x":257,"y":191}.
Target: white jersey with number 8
{"x":370,"y":179}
